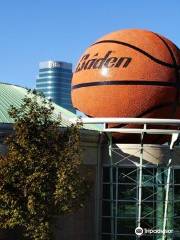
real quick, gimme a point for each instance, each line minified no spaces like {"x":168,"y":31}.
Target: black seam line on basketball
{"x":172,"y":55}
{"x":139,"y":50}
{"x":176,"y":71}
{"x":124,"y":82}
{"x":154,"y":108}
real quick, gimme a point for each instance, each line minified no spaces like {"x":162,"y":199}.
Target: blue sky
{"x":37,"y":30}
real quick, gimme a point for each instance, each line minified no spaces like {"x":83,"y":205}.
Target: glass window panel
{"x":160,"y":193}
{"x":168,"y":236}
{"x":51,"y":87}
{"x":161,"y":176}
{"x":106,"y":208}
{"x":149,"y":238}
{"x":147,"y":193}
{"x":147,"y":180}
{"x":106,"y":225}
{"x":127,"y":175}
{"x":123,"y":237}
{"x":153,"y":190}
{"x":56,"y":93}
{"x":115,"y":170}
{"x":126,"y":209}
{"x":159,"y":212}
{"x":147,"y":223}
{"x":55,"y":74}
{"x":106,"y":191}
{"x":106,"y":174}
{"x":147,"y":209}
{"x":171,"y":192}
{"x":106,"y":237}
{"x":55,"y":70}
{"x":53,"y":82}
{"x":67,"y":106}
{"x":176,"y":192}
{"x":64,"y":101}
{"x":61,"y":100}
{"x":177,"y":209}
{"x":49,"y":79}
{"x":148,"y":171}
{"x":55,"y":89}
{"x":176,"y":176}
{"x":126,"y":226}
{"x":124,"y":192}
{"x":148,"y":177}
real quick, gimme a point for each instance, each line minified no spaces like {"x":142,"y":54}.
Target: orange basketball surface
{"x":128,"y":73}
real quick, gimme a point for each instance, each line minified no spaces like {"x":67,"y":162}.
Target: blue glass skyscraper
{"x":54,"y":81}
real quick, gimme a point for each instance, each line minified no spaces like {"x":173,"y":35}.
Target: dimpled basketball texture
{"x":128,"y":73}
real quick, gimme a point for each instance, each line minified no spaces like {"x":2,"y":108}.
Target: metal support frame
{"x":111,"y":186}
{"x":144,"y":123}
{"x":98,"y":176}
{"x":140,"y":182}
{"x":173,"y":140}
{"x":116,"y":209}
{"x":166,"y":200}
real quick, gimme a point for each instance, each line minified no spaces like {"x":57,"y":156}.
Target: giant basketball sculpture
{"x":128,"y":73}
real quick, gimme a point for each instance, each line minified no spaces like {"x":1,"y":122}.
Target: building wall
{"x":83,"y":224}
{"x":2,"y":149}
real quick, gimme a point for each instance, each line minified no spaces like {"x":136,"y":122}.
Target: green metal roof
{"x":13,"y":95}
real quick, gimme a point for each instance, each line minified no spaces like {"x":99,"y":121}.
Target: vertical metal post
{"x":159,"y":200}
{"x":140,"y":188}
{"x":111,"y":186}
{"x":170,"y":218}
{"x":140,"y":183}
{"x":116,"y":210}
{"x":98,"y":182}
{"x":166,"y":200}
{"x":173,"y":140}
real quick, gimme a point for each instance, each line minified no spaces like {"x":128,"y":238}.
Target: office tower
{"x":54,"y":81}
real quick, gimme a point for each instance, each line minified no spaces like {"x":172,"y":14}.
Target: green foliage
{"x":40,"y":175}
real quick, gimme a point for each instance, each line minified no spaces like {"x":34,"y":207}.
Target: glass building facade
{"x":120,"y":203}
{"x":122,"y":180}
{"x":54,"y":81}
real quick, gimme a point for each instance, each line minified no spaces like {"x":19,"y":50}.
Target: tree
{"x":40,"y":175}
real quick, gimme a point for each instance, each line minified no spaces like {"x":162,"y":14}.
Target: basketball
{"x":128,"y":73}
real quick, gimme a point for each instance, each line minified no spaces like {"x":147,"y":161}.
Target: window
{"x":120,"y":201}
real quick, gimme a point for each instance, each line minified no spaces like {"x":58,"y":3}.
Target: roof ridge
{"x":16,"y":85}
